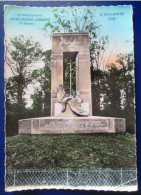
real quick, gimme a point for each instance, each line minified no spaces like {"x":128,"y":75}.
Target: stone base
{"x":64,"y":125}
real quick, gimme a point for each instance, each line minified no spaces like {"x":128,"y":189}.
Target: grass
{"x":71,"y":151}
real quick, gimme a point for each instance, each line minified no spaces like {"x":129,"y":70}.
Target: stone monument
{"x":74,"y":47}
{"x":71,"y":98}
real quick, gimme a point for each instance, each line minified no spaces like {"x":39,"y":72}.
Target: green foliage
{"x":67,"y":76}
{"x":73,"y":77}
{"x":98,"y":79}
{"x":98,"y":47}
{"x":14,"y":112}
{"x":11,"y":89}
{"x":20,"y":54}
{"x":71,"y":151}
{"x":81,"y":21}
{"x":121,"y":79}
{"x":115,"y":88}
{"x":25,"y":52}
{"x":41,"y":97}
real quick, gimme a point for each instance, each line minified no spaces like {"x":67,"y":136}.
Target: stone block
{"x":84,"y":56}
{"x":55,"y":57}
{"x":120,"y":125}
{"x":58,"y":108}
{"x":25,"y":126}
{"x":54,"y":94}
{"x":56,"y":74}
{"x":53,"y":101}
{"x":71,"y":125}
{"x":35,"y":126}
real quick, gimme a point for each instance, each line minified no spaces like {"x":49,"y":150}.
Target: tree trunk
{"x":127,"y":97}
{"x":20,"y":88}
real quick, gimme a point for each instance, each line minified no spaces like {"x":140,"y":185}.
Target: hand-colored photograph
{"x":70,"y":98}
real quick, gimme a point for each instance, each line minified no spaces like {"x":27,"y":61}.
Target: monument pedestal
{"x":71,"y":51}
{"x":71,"y":125}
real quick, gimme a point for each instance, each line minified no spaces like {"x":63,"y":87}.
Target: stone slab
{"x":71,"y":125}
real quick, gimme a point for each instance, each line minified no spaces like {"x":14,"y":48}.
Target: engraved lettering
{"x":73,"y":125}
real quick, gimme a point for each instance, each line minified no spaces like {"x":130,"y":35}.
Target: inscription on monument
{"x":60,"y":125}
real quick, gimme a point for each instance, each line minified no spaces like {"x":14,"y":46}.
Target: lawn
{"x":71,"y":151}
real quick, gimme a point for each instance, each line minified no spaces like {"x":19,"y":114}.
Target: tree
{"x":118,"y":90}
{"x":126,"y":61}
{"x":21,"y":54}
{"x":14,"y":109}
{"x":121,"y":80}
{"x":98,"y":78}
{"x":41,"y":97}
{"x":111,"y":89}
{"x":80,"y":21}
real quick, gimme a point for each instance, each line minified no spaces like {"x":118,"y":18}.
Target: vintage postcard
{"x":70,"y":98}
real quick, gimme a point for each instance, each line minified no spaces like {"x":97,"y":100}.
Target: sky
{"x":115,"y":21}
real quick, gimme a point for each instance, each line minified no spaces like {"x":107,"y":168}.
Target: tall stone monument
{"x":75,"y":47}
{"x":71,"y":98}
